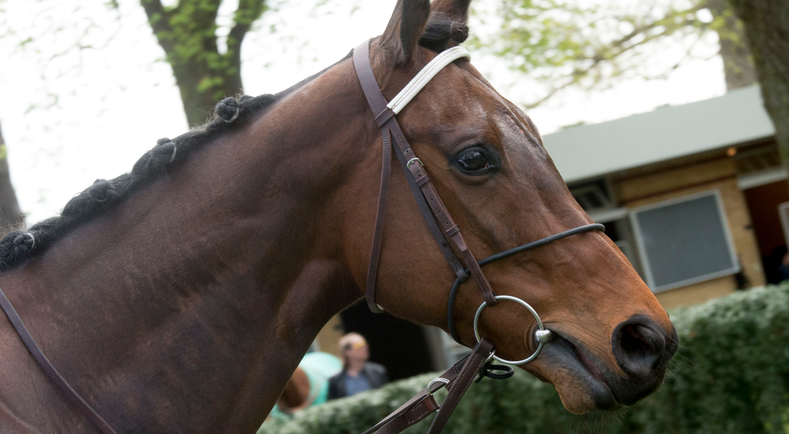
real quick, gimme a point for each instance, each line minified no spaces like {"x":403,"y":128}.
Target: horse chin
{"x":581,"y":386}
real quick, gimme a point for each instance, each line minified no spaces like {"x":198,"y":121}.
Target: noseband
{"x":440,"y":223}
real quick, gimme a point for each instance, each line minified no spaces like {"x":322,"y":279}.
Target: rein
{"x":50,"y":370}
{"x":458,"y":378}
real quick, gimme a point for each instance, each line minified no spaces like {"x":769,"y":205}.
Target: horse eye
{"x":473,"y":161}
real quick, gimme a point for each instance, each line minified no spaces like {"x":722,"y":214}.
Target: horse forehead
{"x":461,"y":96}
{"x":499,"y":111}
{"x":509,"y":114}
{"x":458,"y":97}
{"x":461,"y":79}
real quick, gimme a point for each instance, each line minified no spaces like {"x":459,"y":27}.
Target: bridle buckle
{"x":414,"y":160}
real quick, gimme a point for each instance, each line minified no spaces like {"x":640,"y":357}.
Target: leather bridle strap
{"x":457,"y":380}
{"x":50,"y":370}
{"x":441,"y":225}
{"x":377,"y":102}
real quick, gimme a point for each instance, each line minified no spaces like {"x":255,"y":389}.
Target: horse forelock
{"x":441,"y":29}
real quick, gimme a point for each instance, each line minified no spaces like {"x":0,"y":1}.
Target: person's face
{"x":358,"y":350}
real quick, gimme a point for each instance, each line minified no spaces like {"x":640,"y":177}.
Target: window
{"x":684,"y":241}
{"x":592,"y":195}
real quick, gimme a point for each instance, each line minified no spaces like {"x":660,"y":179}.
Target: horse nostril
{"x":639,"y":347}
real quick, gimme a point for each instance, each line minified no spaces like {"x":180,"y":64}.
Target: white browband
{"x":425,"y":75}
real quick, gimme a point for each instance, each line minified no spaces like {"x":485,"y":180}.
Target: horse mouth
{"x":571,"y":361}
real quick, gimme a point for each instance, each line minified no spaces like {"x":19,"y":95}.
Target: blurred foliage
{"x":590,"y":44}
{"x":730,"y":376}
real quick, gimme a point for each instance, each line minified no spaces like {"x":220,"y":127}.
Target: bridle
{"x":458,"y":378}
{"x":435,"y":213}
{"x":444,"y":230}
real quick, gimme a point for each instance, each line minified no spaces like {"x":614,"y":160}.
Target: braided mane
{"x":230,"y":113}
{"x":105,"y":194}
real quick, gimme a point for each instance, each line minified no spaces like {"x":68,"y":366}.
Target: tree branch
{"x":200,"y":12}
{"x":612,"y":51}
{"x":666,"y":22}
{"x":159,"y":20}
{"x":576,"y":75}
{"x":202,"y":15}
{"x":247,"y":13}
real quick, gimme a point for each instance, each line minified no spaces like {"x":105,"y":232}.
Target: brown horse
{"x":181,"y":297}
{"x":296,"y":395}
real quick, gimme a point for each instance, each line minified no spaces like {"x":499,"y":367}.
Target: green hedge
{"x":730,"y":375}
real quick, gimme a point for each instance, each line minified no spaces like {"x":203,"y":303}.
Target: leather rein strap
{"x":457,"y":380}
{"x":50,"y":370}
{"x":432,"y":208}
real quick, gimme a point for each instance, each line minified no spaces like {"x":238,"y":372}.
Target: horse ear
{"x":447,"y":26}
{"x":402,"y":34}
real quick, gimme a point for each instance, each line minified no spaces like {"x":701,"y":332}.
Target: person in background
{"x":358,"y":374}
{"x":783,"y":269}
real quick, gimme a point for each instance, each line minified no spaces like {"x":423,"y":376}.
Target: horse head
{"x":612,"y":339}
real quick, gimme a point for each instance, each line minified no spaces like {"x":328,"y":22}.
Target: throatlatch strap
{"x":375,"y":252}
{"x":50,"y":370}
{"x":457,"y":379}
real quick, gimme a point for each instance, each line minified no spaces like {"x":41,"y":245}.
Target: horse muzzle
{"x":642,"y":350}
{"x":586,"y":383}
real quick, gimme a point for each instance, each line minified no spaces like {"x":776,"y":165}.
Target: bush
{"x":730,"y":375}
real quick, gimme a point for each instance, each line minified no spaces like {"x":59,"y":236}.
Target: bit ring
{"x":542,"y":335}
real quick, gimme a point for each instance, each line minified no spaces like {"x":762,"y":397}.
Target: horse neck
{"x":198,"y":295}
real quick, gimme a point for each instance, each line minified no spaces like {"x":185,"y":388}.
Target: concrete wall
{"x":650,"y":186}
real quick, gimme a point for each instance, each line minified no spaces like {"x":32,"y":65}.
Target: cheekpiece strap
{"x":384,"y":113}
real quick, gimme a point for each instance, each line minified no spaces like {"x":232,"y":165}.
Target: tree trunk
{"x":201,"y":86}
{"x":10,"y":215}
{"x":187,"y":33}
{"x":767,"y":27}
{"x":737,"y":62}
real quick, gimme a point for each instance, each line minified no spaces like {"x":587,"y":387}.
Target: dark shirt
{"x":374,"y":373}
{"x":783,"y":272}
{"x":357,"y":384}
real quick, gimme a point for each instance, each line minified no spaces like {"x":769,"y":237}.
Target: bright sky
{"x":123,"y":98}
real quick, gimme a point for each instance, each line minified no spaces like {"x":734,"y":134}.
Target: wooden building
{"x":690,"y":193}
